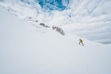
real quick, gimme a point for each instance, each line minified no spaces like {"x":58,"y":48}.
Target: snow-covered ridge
{"x":87,"y":18}
{"x":26,"y":49}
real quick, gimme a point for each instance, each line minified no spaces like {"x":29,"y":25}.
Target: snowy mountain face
{"x":87,"y":18}
{"x":28,"y":48}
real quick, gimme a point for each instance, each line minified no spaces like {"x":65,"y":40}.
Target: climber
{"x":81,"y":42}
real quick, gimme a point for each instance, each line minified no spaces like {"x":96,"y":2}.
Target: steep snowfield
{"x":86,"y":18}
{"x":25,"y":49}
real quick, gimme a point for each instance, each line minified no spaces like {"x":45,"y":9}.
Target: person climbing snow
{"x":81,"y":42}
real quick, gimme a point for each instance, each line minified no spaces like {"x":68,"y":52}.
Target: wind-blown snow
{"x":26,"y":49}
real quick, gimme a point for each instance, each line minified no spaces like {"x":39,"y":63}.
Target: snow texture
{"x":28,"y":48}
{"x":87,"y":18}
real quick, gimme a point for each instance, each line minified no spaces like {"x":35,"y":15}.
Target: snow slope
{"x":87,"y":18}
{"x":25,"y":49}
